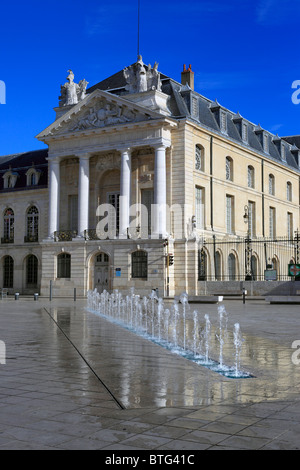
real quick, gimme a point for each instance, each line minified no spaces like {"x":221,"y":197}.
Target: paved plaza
{"x":74,"y":381}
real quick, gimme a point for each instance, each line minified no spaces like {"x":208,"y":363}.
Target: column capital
{"x":163,"y":144}
{"x":83,"y":155}
{"x":54,"y":159}
{"x":124,"y":149}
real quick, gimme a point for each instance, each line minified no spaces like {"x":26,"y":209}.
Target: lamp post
{"x":248,"y":250}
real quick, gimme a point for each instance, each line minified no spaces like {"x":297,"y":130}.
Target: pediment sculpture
{"x":105,"y":114}
{"x":140,"y":78}
{"x":71,"y":92}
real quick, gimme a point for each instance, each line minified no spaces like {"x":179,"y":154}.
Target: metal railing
{"x":65,"y":235}
{"x":258,"y":259}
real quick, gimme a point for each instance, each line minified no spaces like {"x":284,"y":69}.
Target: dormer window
{"x":245,"y":132}
{"x":33,"y":176}
{"x":223,"y":121}
{"x":10,"y":179}
{"x":220,"y":115}
{"x":266,"y":143}
{"x":283,"y":152}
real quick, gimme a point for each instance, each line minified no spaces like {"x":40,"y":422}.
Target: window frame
{"x":63,"y":266}
{"x":139,"y":264}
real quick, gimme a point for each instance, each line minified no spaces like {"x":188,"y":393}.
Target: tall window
{"x":64,"y":266}
{"x":271,"y":185}
{"x":251,"y":218}
{"x":218,"y":266}
{"x":199,"y":157}
{"x":199,"y":207}
{"x":229,"y":214}
{"x":32,"y":224}
{"x":229,"y":169}
{"x":272,"y":222}
{"x":147,"y":199}
{"x":250,"y":176}
{"x":290,"y":229}
{"x":114,"y":200}
{"x":9,"y":220}
{"x":139,"y":264}
{"x":73,"y":212}
{"x":32,"y":270}
{"x":8,"y":272}
{"x":289,"y":194}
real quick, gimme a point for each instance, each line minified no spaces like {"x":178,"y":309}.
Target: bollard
{"x":35,"y":296}
{"x":17,"y":296}
{"x":74,"y":294}
{"x":50,"y":291}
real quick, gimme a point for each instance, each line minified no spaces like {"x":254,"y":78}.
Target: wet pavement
{"x":74,"y":381}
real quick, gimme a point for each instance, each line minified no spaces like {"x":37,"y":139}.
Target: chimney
{"x":187,"y":76}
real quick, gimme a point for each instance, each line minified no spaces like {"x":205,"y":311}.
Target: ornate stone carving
{"x":108,"y":114}
{"x":140,"y":78}
{"x":71,"y":92}
{"x":110,"y":161}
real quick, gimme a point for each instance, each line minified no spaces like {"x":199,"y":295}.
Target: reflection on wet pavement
{"x":142,"y":374}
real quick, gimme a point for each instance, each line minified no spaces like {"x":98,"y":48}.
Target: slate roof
{"x":20,"y":163}
{"x":181,"y":107}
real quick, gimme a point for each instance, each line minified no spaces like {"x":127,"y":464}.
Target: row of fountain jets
{"x":173,"y":328}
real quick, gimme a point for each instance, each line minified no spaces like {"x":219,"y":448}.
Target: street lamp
{"x":248,"y":250}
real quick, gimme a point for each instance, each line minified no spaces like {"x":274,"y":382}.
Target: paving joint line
{"x":118,"y":402}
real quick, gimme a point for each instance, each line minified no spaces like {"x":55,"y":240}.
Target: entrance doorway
{"x":101,"y":272}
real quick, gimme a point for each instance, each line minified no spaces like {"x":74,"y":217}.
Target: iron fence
{"x":238,"y":258}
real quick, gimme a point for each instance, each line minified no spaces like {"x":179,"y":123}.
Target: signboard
{"x":118,"y":272}
{"x":294,"y":270}
{"x":270,"y":275}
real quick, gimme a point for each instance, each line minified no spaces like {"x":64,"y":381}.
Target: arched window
{"x":199,"y":158}
{"x":32,"y":225}
{"x":9,"y":220}
{"x":218,"y":269}
{"x":32,"y":270}
{"x":64,"y":266}
{"x":8,"y":272}
{"x":139,"y":264}
{"x":231,"y":267}
{"x":289,"y":194}
{"x":229,"y":169}
{"x":271,"y":185}
{"x":250,"y":176}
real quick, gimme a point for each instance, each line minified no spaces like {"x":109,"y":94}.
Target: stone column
{"x":125,"y":191}
{"x":160,"y":192}
{"x":83,"y":194}
{"x":54,"y":192}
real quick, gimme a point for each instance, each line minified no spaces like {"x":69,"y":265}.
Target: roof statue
{"x":140,"y":78}
{"x":71,"y":92}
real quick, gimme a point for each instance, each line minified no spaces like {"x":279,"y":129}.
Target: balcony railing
{"x":65,"y":235}
{"x":31,"y":239}
{"x":7,"y":240}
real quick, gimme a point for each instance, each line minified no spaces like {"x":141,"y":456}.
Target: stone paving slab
{"x":74,"y":381}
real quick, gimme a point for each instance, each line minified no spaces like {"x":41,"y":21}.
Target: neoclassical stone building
{"x":147,"y":184}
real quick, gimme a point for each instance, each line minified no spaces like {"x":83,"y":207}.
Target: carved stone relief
{"x":110,"y":161}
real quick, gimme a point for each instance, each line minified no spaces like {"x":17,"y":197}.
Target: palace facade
{"x":148,"y":184}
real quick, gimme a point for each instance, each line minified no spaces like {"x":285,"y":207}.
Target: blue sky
{"x":245,"y":53}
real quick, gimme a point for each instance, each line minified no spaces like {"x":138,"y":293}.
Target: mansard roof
{"x":185,"y":103}
{"x":21,"y":163}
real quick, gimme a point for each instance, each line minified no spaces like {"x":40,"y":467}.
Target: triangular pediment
{"x":98,"y":110}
